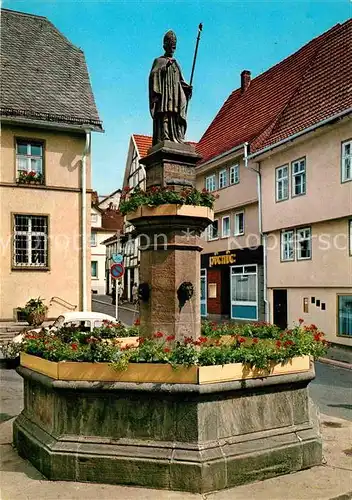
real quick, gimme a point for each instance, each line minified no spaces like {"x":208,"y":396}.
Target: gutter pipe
{"x":263,"y":240}
{"x":84,"y":221}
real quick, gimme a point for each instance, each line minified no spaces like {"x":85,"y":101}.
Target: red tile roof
{"x":143,"y":143}
{"x":310,"y":85}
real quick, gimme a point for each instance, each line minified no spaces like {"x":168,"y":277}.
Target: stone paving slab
{"x":332,"y":481}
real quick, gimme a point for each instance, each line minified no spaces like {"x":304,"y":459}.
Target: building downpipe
{"x":84,"y":221}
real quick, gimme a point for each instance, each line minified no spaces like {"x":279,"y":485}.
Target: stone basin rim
{"x":216,"y":387}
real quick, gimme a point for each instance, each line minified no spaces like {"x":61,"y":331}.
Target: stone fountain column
{"x":170,"y":244}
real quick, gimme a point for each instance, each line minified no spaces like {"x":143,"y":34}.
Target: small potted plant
{"x":35,"y":311}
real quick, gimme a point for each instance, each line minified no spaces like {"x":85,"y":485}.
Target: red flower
{"x":314,"y":327}
{"x":32,"y":173}
{"x":188,"y":340}
{"x":154,"y":189}
{"x":300,"y":321}
{"x":169,"y":338}
{"x":137,"y":322}
{"x":241,"y":340}
{"x":127,"y":189}
{"x":166,"y":349}
{"x":317,"y":336}
{"x":74,"y":346}
{"x":278,"y":343}
{"x":158,"y":335}
{"x":288,"y":343}
{"x":202,"y":340}
{"x":204,"y":190}
{"x":141,"y":340}
{"x":255,"y":341}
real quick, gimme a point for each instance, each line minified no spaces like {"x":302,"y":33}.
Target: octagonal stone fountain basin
{"x":196,"y":437}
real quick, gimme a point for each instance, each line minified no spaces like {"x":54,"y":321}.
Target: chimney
{"x":245,"y":80}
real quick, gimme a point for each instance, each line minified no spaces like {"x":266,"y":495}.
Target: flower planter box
{"x":158,"y":373}
{"x":170,"y":209}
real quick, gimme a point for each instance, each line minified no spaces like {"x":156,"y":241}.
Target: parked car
{"x":85,"y":321}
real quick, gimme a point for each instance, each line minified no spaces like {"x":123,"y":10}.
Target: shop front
{"x":232,"y":285}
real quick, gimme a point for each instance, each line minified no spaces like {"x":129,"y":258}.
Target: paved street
{"x":127,"y":313}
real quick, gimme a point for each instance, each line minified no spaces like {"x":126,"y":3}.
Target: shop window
{"x":244,"y":299}
{"x":345,"y":315}
{"x":203,"y":292}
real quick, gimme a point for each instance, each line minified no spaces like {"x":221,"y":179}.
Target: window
{"x":210,"y":183}
{"x":30,"y":241}
{"x":287,"y":245}
{"x":239,"y":223}
{"x":346,"y":161}
{"x":29,"y":160}
{"x":282,"y":183}
{"x":304,"y":243}
{"x":234,"y":174}
{"x":93,"y":239}
{"x":345,"y":315}
{"x":94,"y":268}
{"x":298,"y":169}
{"x":244,"y":302}
{"x":222,"y":178}
{"x":213,"y":229}
{"x":350,"y":235}
{"x":94,"y":217}
{"x":225,"y":227}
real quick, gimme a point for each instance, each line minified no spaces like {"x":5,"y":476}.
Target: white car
{"x":86,"y":321}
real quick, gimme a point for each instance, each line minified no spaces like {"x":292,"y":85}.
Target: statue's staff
{"x":200,"y":28}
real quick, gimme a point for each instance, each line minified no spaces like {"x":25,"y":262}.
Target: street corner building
{"x":279,"y":156}
{"x":47,"y":113}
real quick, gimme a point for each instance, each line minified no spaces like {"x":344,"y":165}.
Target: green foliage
{"x":28,"y":177}
{"x":257,"y":348}
{"x":34,"y":305}
{"x":130,"y":201}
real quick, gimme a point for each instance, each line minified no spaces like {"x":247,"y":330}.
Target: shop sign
{"x":221,"y":260}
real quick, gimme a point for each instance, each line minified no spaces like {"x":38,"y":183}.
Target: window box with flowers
{"x":247,"y":352}
{"x":31,"y":177}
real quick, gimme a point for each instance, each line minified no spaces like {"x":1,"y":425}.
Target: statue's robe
{"x":167,"y":100}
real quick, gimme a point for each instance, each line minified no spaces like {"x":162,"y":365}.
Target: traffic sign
{"x":117,"y":258}
{"x":117,"y":271}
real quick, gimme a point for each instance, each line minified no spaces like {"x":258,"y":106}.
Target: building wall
{"x":98,"y":254}
{"x":322,"y":150}
{"x":326,"y":320}
{"x":330,"y":265}
{"x":60,"y":200}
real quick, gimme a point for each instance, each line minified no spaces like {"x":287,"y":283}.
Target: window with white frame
{"x":346,"y":161}
{"x":93,"y":239}
{"x":94,"y":268}
{"x":298,"y":170}
{"x":213,"y":230}
{"x":222,"y":178}
{"x":225,"y":232}
{"x":30,"y":241}
{"x":94,"y":218}
{"x":210,"y":183}
{"x":234,"y":174}
{"x":239,"y":223}
{"x":304,"y":243}
{"x":244,"y":295}
{"x":282,"y":183}
{"x":29,"y":159}
{"x":345,"y":315}
{"x":287,"y":245}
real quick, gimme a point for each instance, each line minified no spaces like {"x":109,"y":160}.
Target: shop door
{"x":280,"y":308}
{"x":203,"y":292}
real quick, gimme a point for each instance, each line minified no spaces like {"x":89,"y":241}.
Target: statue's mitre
{"x":170,"y":36}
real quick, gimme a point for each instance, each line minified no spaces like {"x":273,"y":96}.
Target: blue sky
{"x":121,"y":38}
